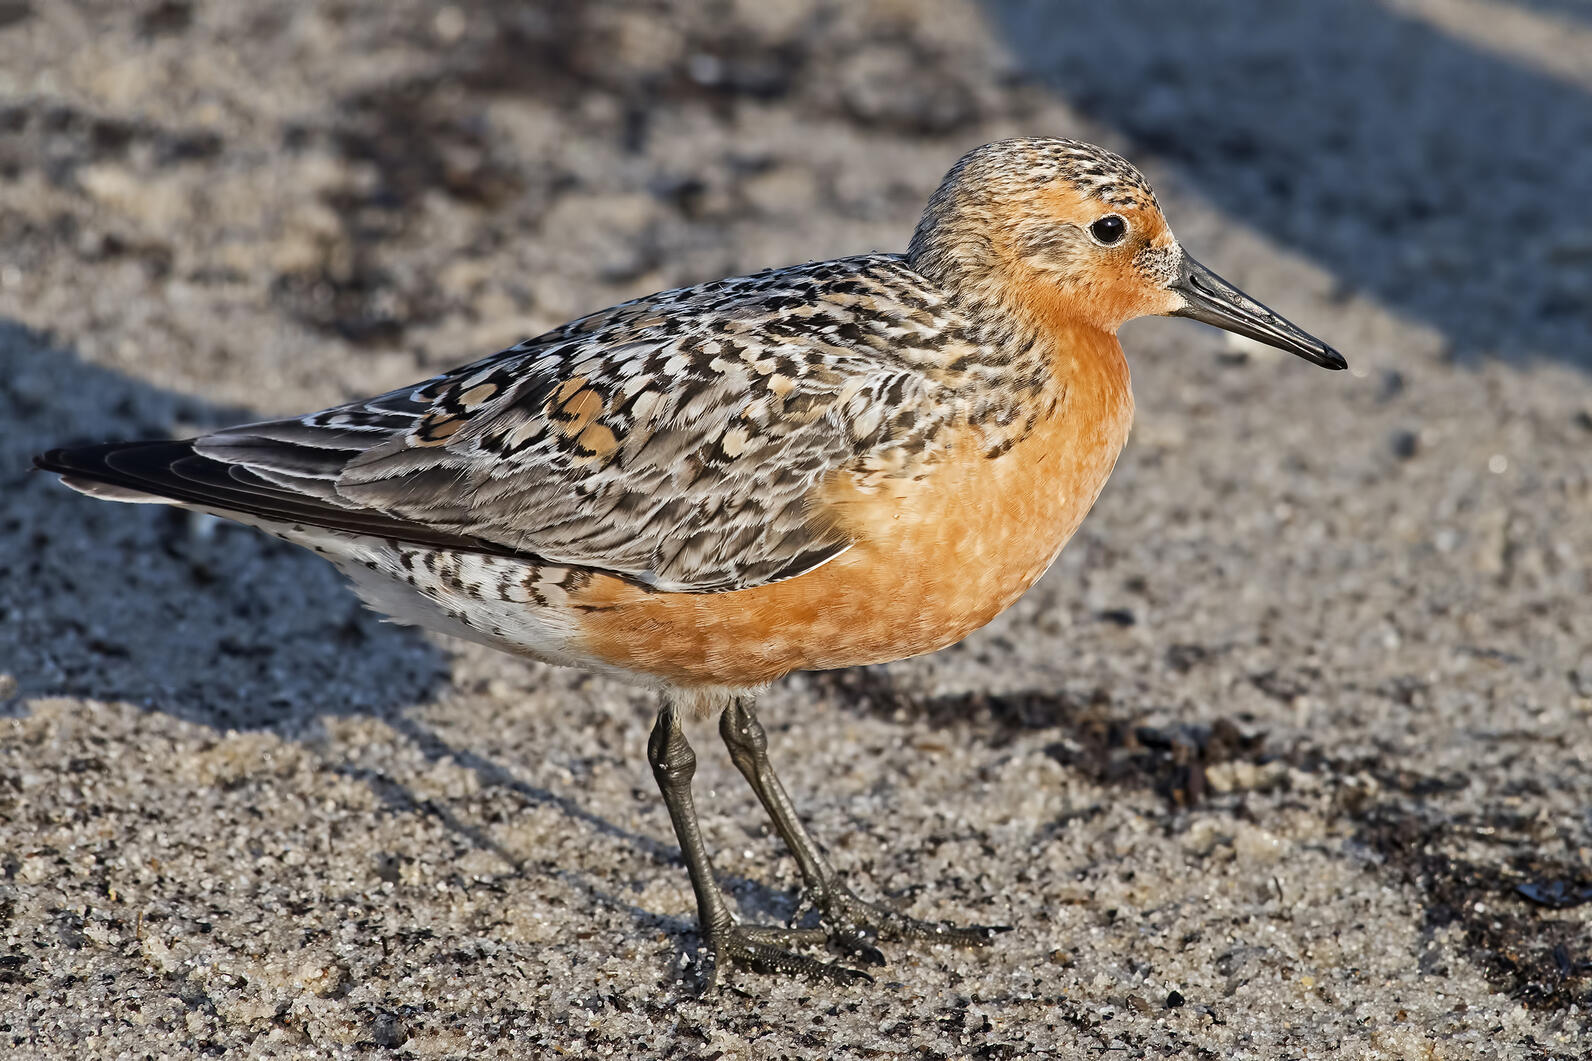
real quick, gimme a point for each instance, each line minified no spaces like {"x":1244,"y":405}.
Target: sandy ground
{"x":1286,"y":758}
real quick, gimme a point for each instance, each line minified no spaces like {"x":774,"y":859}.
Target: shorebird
{"x":833,"y":464}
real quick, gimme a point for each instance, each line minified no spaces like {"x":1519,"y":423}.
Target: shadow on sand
{"x":1434,"y":176}
{"x":216,"y":624}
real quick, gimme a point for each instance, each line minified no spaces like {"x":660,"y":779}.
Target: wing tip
{"x":51,"y":461}
{"x":91,"y":470}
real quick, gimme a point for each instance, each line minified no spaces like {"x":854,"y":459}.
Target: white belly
{"x":498,"y":601}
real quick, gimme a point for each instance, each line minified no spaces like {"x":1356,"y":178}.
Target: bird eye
{"x":1108,"y":230}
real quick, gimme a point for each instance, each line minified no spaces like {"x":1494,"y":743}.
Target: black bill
{"x":1212,"y":300}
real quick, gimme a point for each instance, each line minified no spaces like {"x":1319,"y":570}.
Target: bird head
{"x":1072,"y":233}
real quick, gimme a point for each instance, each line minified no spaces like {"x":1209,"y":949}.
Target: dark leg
{"x":673,"y":765}
{"x":854,"y":923}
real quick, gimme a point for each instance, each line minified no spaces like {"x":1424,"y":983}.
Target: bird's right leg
{"x":755,"y":946}
{"x":855,"y":923}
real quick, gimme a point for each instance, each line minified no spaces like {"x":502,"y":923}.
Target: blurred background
{"x":1298,"y":724}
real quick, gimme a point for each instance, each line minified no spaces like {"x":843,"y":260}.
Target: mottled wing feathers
{"x":675,"y":441}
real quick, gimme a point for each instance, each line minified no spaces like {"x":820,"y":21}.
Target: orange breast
{"x":934,"y":559}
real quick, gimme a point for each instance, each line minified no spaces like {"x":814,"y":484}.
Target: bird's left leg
{"x":854,"y":923}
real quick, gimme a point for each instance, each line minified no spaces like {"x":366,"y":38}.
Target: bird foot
{"x":764,"y":949}
{"x":850,"y":924}
{"x":855,"y":926}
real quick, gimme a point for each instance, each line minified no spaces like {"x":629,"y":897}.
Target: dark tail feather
{"x":174,"y":472}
